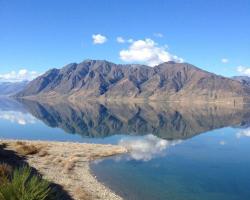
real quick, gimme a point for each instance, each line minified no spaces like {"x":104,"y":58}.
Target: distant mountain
{"x":170,"y":81}
{"x":9,"y":88}
{"x":245,"y":80}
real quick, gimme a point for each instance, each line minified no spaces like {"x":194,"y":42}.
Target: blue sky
{"x":41,"y":34}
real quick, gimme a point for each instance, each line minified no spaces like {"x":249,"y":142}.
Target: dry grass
{"x":82,"y":194}
{"x":43,"y":153}
{"x":57,"y":160}
{"x":100,"y":154}
{"x":5,"y":173}
{"x":20,"y":143}
{"x":25,"y":149}
{"x":5,"y":170}
{"x":69,"y":166}
{"x":70,"y":163}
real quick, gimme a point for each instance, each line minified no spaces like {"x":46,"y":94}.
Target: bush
{"x":24,"y":186}
{"x":5,"y":172}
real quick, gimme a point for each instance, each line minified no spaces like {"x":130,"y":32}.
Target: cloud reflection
{"x":17,"y":117}
{"x":243,"y":133}
{"x":147,"y":147}
{"x":222,"y":142}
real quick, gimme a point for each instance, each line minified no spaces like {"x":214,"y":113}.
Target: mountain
{"x":170,"y":81}
{"x":245,"y":80}
{"x":9,"y":88}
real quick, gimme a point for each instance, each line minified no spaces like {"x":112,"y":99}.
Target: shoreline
{"x":68,"y":164}
{"x":181,"y":100}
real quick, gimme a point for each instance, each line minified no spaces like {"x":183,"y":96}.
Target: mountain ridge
{"x":101,"y":79}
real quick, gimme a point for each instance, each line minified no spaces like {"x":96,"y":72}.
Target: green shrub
{"x":24,"y":186}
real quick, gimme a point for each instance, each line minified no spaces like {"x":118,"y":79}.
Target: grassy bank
{"x":64,"y":164}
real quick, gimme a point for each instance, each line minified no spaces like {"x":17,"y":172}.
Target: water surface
{"x":214,"y":165}
{"x":177,"y":152}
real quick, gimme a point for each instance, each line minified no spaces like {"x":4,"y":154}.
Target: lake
{"x":177,"y":152}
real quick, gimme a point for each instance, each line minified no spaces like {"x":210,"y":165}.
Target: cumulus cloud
{"x":147,"y":51}
{"x":123,"y":40}
{"x":20,"y":75}
{"x":147,"y":147}
{"x":243,"y":133}
{"x":160,"y":35}
{"x":99,"y":39}
{"x":244,"y":70}
{"x":17,"y":117}
{"x":224,"y":60}
{"x":120,"y":40}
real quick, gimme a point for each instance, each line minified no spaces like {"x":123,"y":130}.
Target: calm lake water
{"x":176,"y":152}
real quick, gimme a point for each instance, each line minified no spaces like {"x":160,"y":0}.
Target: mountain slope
{"x":9,"y":88}
{"x":245,"y":80}
{"x":168,"y":81}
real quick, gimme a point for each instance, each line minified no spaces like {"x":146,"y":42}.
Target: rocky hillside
{"x":168,"y":82}
{"x":245,"y":80}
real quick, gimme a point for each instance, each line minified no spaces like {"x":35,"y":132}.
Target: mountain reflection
{"x":171,"y":122}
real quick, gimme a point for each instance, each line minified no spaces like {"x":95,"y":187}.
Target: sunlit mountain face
{"x":167,"y":81}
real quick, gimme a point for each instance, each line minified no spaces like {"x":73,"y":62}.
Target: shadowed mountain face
{"x":245,"y":80}
{"x":163,"y":120}
{"x":168,"y":81}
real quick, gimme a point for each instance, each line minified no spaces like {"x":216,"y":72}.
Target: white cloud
{"x":222,"y":142}
{"x":244,"y":70}
{"x":147,"y":51}
{"x":120,"y":40}
{"x":224,"y":60}
{"x":99,"y":39}
{"x":243,"y":133}
{"x":160,"y":35}
{"x":123,"y":40}
{"x":147,"y":147}
{"x":20,"y":75}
